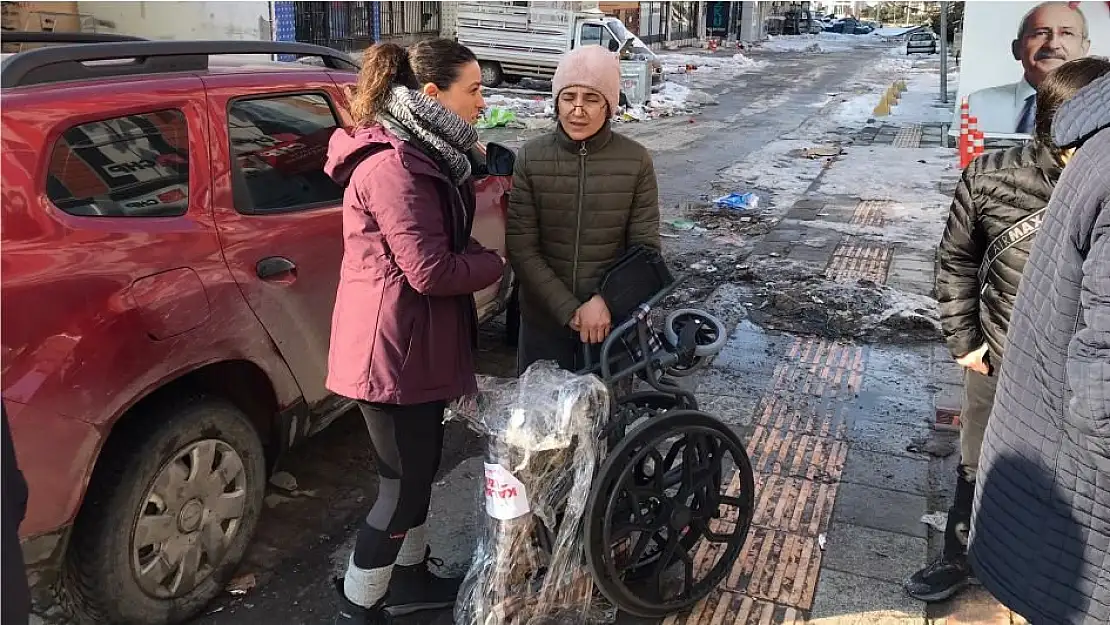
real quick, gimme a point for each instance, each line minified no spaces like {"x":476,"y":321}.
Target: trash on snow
{"x":738,"y":201}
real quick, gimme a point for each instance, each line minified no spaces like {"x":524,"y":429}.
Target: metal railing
{"x":409,"y":18}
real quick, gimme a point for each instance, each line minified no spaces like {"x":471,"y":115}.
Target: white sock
{"x":413,"y":548}
{"x":366,"y":587}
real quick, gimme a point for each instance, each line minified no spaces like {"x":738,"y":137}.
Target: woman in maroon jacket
{"x":404,"y":323}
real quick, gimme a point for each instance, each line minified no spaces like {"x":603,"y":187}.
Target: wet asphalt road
{"x":304,"y":534}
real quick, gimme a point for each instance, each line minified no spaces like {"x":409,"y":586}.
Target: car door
{"x":278,"y":214}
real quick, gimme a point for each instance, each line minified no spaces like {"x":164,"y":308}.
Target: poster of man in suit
{"x":1000,"y":76}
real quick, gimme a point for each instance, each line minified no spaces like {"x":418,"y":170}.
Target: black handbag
{"x":632,"y":280}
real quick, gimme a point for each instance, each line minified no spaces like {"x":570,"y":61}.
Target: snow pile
{"x":858,"y":110}
{"x":821,"y":43}
{"x":794,"y":43}
{"x":777,"y":171}
{"x":884,"y":172}
{"x":708,"y":64}
{"x":671,"y":99}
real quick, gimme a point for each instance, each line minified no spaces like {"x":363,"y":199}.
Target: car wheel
{"x":512,"y":319}
{"x":168,"y":518}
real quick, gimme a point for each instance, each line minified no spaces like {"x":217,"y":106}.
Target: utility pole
{"x":944,"y":52}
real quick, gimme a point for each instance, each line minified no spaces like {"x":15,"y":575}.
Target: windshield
{"x":619,"y":30}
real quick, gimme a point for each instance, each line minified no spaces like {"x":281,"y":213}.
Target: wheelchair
{"x":672,"y":503}
{"x":650,"y":506}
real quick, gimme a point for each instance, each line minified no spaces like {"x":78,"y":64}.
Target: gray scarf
{"x":446,"y":134}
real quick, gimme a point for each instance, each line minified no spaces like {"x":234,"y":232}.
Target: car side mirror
{"x":614,"y":46}
{"x":500,"y":160}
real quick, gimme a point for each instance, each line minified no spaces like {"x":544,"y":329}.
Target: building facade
{"x":354,"y":26}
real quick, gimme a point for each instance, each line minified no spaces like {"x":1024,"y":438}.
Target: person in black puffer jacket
{"x":998,"y":207}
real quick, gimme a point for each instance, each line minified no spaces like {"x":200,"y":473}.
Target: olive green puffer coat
{"x":574,"y":210}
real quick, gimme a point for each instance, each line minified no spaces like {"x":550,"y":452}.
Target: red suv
{"x":170,"y":255}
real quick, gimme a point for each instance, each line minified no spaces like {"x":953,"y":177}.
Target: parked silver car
{"x":923,"y":42}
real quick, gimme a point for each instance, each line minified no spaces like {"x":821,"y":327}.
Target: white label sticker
{"x":506,"y":498}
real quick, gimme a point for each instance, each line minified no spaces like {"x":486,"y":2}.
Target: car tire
{"x":512,"y":319}
{"x":492,"y":76}
{"x":195,"y":472}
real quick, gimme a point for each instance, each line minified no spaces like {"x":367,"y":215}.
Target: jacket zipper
{"x":578,"y":225}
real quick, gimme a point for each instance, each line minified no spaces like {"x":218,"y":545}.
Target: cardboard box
{"x":40,"y":16}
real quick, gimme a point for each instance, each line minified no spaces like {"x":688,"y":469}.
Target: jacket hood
{"x":347,"y":149}
{"x":1084,"y":115}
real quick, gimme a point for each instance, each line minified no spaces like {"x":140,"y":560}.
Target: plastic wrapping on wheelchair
{"x":632,"y":280}
{"x":542,"y":452}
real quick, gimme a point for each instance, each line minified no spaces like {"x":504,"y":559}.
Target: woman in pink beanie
{"x":582,"y":195}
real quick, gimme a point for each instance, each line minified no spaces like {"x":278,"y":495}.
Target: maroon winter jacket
{"x":403,"y":327}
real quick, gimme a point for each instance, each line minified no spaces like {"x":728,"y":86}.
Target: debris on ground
{"x":284,"y":481}
{"x":822,"y":151}
{"x":936,"y":447}
{"x":496,"y":117}
{"x":783,"y":295}
{"x":682,"y":225}
{"x":242,"y":585}
{"x":738,"y":201}
{"x":936,"y":520}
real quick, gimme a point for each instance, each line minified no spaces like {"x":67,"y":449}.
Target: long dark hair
{"x":386,"y":65}
{"x":1059,"y":86}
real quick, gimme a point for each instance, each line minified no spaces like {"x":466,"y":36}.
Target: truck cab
{"x":513,"y":41}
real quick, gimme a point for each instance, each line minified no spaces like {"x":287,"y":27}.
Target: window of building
{"x":278,"y":148}
{"x":131,"y":166}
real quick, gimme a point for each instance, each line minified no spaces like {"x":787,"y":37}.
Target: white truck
{"x":513,"y":40}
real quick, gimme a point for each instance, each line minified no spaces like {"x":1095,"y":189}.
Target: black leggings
{"x":408,"y":442}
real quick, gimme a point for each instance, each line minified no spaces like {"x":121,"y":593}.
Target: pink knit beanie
{"x":590,"y":66}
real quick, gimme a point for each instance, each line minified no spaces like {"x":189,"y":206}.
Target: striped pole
{"x":964,"y":139}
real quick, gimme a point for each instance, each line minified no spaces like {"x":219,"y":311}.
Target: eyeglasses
{"x":588,"y":102}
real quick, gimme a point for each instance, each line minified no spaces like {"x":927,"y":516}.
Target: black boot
{"x":352,"y":614}
{"x":415,"y":588}
{"x":950,"y":573}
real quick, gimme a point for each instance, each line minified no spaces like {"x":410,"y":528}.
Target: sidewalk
{"x":842,"y":435}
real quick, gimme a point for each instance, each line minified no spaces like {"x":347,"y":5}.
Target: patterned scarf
{"x":446,"y":134}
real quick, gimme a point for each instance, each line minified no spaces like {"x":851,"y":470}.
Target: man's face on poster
{"x":1053,"y":34}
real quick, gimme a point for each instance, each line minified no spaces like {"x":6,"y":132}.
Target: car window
{"x":278,"y":145}
{"x":131,"y":166}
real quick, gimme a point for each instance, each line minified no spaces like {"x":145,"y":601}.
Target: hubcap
{"x":189,"y":516}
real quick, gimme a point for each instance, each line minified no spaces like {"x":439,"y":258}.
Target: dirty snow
{"x":777,"y":171}
{"x":701,"y":64}
{"x":884,"y":172}
{"x":817,"y":44}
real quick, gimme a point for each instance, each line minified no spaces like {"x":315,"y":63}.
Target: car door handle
{"x":275,"y":267}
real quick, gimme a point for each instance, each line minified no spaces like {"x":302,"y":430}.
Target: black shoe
{"x":415,"y":588}
{"x":352,"y":614}
{"x":940,"y":580}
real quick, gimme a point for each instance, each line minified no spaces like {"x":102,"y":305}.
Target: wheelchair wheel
{"x":676,"y":491}
{"x":709,"y":337}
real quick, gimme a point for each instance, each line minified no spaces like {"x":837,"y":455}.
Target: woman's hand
{"x":592,"y":320}
{"x":975,"y":361}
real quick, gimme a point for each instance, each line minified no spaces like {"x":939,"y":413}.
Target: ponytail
{"x":384,"y":66}
{"x":387,"y":65}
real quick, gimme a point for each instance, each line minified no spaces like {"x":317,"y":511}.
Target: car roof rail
{"x":83,"y":62}
{"x":19,"y":36}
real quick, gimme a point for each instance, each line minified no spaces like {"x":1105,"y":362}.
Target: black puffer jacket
{"x":997,"y":191}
